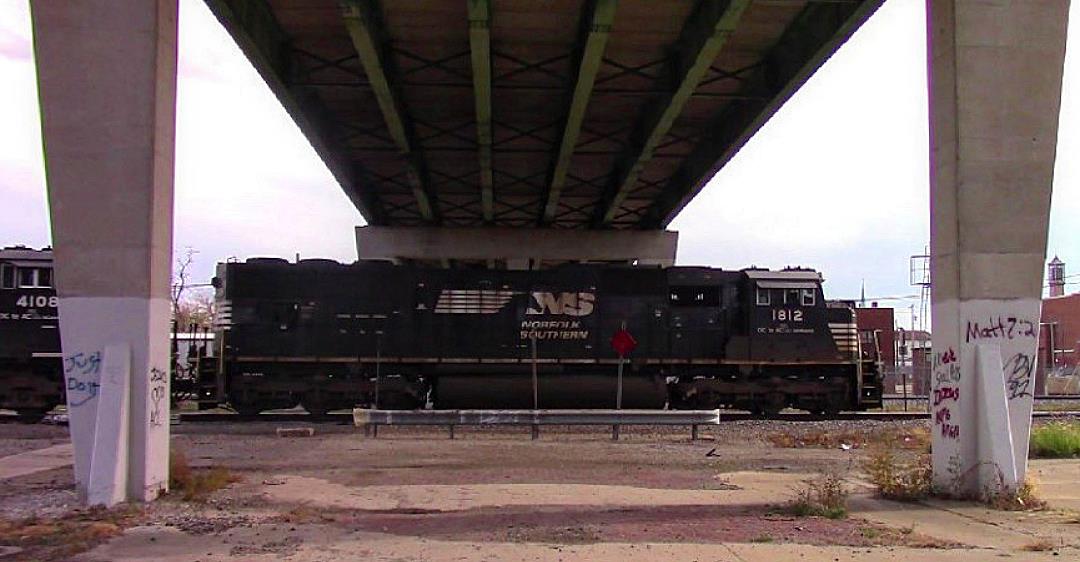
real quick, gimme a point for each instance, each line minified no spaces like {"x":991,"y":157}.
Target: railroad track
{"x":347,"y":417}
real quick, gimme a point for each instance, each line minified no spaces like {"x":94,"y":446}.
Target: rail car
{"x":327,"y":335}
{"x":31,"y":379}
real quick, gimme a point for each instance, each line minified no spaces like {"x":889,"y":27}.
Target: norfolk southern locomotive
{"x":326,"y":335}
{"x":329,"y":335}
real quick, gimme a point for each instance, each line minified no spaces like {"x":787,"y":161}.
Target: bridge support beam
{"x":518,"y":248}
{"x":107,"y":79}
{"x":995,"y":90}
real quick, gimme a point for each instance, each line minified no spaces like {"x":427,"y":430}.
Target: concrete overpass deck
{"x":579,"y":114}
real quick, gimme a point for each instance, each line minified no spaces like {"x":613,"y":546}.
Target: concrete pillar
{"x":107,"y":79}
{"x":995,"y":88}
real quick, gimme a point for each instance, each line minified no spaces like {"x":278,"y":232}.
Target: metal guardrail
{"x":370,"y":420}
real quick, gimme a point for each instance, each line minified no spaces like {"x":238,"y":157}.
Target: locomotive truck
{"x":327,"y":335}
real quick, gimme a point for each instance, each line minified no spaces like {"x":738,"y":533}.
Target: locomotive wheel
{"x":768,"y":405}
{"x":315,"y":405}
{"x":248,"y":410}
{"x":316,"y":410}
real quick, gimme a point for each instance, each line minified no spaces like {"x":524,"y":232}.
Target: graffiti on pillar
{"x":159,"y":381}
{"x":1001,"y":328}
{"x":946,"y":374}
{"x":82,"y":373}
{"x":946,"y":393}
{"x":1018,"y":371}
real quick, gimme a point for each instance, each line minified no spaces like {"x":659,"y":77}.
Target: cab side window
{"x":35,"y":278}
{"x":809,"y":297}
{"x":763,"y":297}
{"x":7,"y":276}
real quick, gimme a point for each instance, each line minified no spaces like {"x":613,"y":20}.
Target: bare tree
{"x":180,"y":277}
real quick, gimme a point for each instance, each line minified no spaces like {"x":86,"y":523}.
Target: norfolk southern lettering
{"x":553,"y":330}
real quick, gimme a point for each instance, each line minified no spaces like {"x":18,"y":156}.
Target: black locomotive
{"x":327,"y":335}
{"x":31,"y":380}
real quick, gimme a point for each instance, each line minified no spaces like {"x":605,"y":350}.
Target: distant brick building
{"x":1059,"y":336}
{"x":1059,"y":345}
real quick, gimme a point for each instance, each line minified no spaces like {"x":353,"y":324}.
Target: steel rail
{"x":343,"y":417}
{"x":725,"y":416}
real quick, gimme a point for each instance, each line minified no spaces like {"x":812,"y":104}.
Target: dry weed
{"x":896,"y":479}
{"x":59,"y":538}
{"x":195,"y":485}
{"x":1039,"y":545}
{"x":1024,"y":498}
{"x":823,"y":496}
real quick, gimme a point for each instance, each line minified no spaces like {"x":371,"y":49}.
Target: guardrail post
{"x":375,"y":431}
{"x":615,"y":432}
{"x":693,"y":432}
{"x":535,"y":432}
{"x":451,"y":427}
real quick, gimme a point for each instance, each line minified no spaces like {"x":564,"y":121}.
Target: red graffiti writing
{"x":941,"y":416}
{"x":946,"y":393}
{"x":948,"y":357}
{"x":950,"y":431}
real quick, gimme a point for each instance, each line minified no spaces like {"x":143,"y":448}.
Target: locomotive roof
{"x":800,"y":276}
{"x":21,"y":255}
{"x":784,"y":275}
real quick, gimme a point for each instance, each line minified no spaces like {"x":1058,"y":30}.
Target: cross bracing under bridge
{"x":573,"y":114}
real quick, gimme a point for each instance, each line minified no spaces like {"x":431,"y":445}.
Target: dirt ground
{"x":493,"y":494}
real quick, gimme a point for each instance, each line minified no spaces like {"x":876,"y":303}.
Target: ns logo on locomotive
{"x":327,"y":335}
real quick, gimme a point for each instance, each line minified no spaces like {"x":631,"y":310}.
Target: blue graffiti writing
{"x":82,"y":371}
{"x":81,"y":391}
{"x":83,"y":364}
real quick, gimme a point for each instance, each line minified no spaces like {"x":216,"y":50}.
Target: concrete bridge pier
{"x":107,"y":80}
{"x":995,"y":90}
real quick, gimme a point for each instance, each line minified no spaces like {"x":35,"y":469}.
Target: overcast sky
{"x":837,"y":180}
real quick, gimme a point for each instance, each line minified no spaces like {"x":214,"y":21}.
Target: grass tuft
{"x":1055,"y":440}
{"x":195,"y":485}
{"x":896,"y":479}
{"x":823,"y":496}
